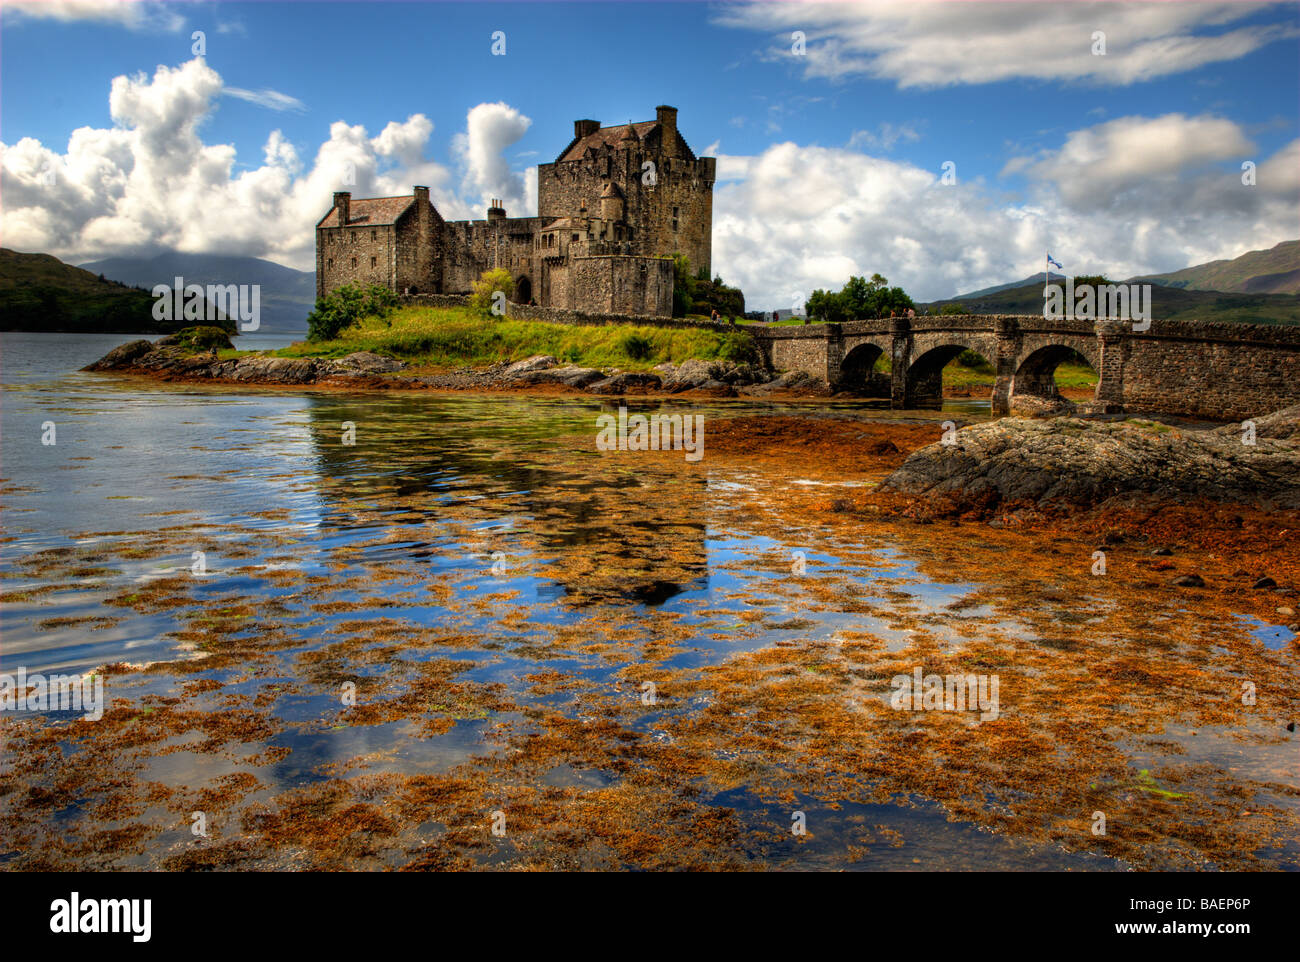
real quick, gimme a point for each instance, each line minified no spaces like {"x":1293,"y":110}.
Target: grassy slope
{"x":38,"y":292}
{"x":440,"y":337}
{"x":1275,"y":270}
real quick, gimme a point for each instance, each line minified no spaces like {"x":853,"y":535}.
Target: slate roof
{"x":370,"y":211}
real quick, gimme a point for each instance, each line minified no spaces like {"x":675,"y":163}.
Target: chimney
{"x":421,"y":196}
{"x":583,"y":128}
{"x":343,"y":204}
{"x":667,"y":118}
{"x":496,"y":211}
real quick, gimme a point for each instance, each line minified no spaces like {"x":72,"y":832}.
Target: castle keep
{"x":611,"y":211}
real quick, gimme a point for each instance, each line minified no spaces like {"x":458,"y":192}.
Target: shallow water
{"x":483,"y":576}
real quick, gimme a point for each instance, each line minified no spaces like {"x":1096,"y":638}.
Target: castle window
{"x":674,"y":211}
{"x":374,"y":235}
{"x":574,"y":238}
{"x":374,"y":262}
{"x":674,"y":225}
{"x":354,"y":262}
{"x":329,"y":264}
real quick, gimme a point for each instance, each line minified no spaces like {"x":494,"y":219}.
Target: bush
{"x":974,"y":361}
{"x":203,"y":338}
{"x":953,"y":308}
{"x":487,"y":286}
{"x":343,"y":307}
{"x":637,"y":347}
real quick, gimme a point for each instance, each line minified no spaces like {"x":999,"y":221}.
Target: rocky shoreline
{"x":171,"y":360}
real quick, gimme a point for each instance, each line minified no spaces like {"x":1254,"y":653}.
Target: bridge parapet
{"x":1221,"y":371}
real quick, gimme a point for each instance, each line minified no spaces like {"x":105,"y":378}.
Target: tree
{"x":346,"y":305}
{"x":494,"y":281}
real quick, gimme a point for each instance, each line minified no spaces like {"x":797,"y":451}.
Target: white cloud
{"x":150,"y":183}
{"x":134,"y":14}
{"x":884,"y":137}
{"x":489,"y":130}
{"x":271,"y":99}
{"x":926,"y":44}
{"x":1131,"y":196}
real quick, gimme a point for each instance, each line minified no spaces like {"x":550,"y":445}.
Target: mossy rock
{"x":202,"y":338}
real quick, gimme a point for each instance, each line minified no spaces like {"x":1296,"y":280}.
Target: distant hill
{"x":1168,"y":303}
{"x":38,"y":292}
{"x":1272,"y":271}
{"x":287,"y":295}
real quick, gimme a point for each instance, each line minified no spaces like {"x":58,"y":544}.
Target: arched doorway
{"x":523,"y":290}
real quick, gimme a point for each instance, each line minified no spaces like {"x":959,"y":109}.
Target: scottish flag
{"x":1053,"y":263}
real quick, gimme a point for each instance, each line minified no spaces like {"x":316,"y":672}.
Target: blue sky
{"x":830,"y":162}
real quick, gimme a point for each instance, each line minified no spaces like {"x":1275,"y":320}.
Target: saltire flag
{"x":1055,"y":264}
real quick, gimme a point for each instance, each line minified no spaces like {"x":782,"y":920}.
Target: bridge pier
{"x":900,"y":361}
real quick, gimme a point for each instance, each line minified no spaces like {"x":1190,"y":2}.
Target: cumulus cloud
{"x":134,"y":14}
{"x":489,"y":130}
{"x":1134,"y":195}
{"x":926,"y":44}
{"x":150,"y":184}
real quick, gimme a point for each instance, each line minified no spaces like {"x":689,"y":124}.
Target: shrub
{"x":635,"y":346}
{"x":488,"y":285}
{"x":203,"y":338}
{"x":346,"y":305}
{"x":953,"y":308}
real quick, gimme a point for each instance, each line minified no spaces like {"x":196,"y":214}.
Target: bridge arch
{"x":924,"y":387}
{"x":1036,"y":372}
{"x":858,"y":371}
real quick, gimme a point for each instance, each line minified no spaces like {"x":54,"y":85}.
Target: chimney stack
{"x":583,"y":128}
{"x":667,"y":117}
{"x":496,"y":211}
{"x":421,"y":195}
{"x":343,"y":204}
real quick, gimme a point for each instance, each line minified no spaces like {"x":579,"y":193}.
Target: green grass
{"x":448,"y":336}
{"x":957,"y":375}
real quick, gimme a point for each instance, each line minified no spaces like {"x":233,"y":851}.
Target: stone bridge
{"x":1210,"y":370}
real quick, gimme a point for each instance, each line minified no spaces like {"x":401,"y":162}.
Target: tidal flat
{"x":471,"y":640}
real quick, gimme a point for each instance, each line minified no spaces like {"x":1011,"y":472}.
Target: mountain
{"x":986,"y":291}
{"x":38,"y":292}
{"x":1272,"y":271}
{"x":287,"y":295}
{"x":1167,"y":303}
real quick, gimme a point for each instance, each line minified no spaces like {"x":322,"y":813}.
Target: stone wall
{"x":1213,"y":371}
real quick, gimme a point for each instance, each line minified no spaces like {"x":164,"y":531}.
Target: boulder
{"x":359,"y":363}
{"x":568,"y":375}
{"x":626,"y":381}
{"x":1077,"y":462}
{"x":262,"y":369}
{"x":121,"y":357}
{"x":691,"y":374}
{"x":1033,"y":406}
{"x":538,"y":362}
{"x":1283,"y":424}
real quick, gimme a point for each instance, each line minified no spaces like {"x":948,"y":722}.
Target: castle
{"x":611,"y":211}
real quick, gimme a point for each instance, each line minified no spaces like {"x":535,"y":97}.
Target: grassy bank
{"x":452,"y":336}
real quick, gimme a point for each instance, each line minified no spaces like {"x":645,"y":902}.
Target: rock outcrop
{"x":1068,"y":461}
